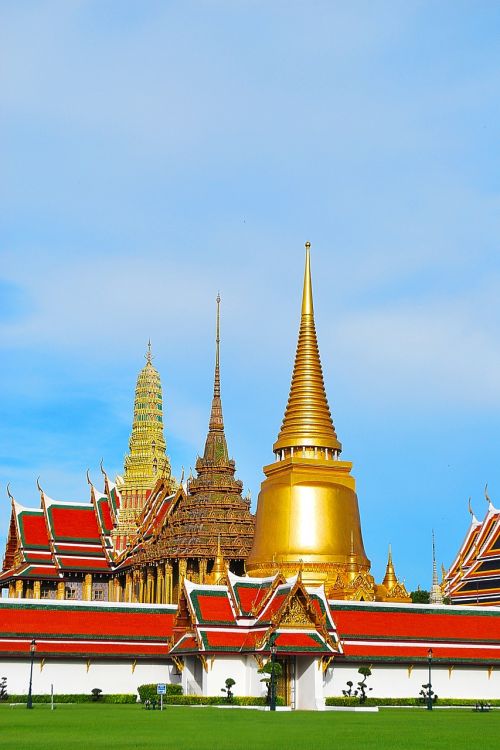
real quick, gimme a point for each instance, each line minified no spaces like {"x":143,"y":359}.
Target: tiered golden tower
{"x":307,"y":511}
{"x":147,"y":459}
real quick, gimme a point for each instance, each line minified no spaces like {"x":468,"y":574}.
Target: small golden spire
{"x":390,"y":578}
{"x":307,"y":421}
{"x":149,"y":356}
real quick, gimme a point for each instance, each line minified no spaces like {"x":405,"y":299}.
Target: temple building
{"x":139,"y":538}
{"x":474,"y":575}
{"x":180,"y":583}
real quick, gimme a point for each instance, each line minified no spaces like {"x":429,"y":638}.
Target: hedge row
{"x":409,"y":702}
{"x":76,"y":698}
{"x":148,"y":692}
{"x":216,"y":700}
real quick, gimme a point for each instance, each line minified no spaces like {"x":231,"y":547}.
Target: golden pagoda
{"x":307,"y":512}
{"x":147,"y":459}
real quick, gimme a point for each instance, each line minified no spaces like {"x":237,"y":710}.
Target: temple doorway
{"x":285,"y":687}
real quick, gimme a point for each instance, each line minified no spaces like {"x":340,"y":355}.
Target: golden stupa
{"x":307,"y":512}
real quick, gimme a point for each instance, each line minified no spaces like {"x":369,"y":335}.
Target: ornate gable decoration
{"x":296,"y":613}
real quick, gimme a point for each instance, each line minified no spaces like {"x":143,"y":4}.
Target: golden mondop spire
{"x":307,"y":512}
{"x":307,"y":420}
{"x":147,"y":459}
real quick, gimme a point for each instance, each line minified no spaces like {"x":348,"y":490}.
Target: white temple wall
{"x":309,"y":684}
{"x":399,"y":681}
{"x":75,"y":676}
{"x":236,"y":667}
{"x":312,"y":686}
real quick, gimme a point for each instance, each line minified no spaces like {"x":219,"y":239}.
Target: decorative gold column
{"x":19,"y":588}
{"x":141,"y":578}
{"x":117,"y":590}
{"x":60,"y":591}
{"x":182,"y":574}
{"x":37,"y":586}
{"x":12,"y":590}
{"x":128,"y":587}
{"x":202,"y":567}
{"x":150,"y":587}
{"x":168,"y":583}
{"x":160,"y":585}
{"x":87,"y":587}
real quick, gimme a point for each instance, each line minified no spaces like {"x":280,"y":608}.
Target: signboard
{"x":161,"y":688}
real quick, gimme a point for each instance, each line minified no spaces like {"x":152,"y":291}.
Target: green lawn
{"x":87,"y":726}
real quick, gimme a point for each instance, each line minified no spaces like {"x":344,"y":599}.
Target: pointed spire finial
{"x":217,"y":347}
{"x":434,"y":566}
{"x":216,"y":422}
{"x":307,"y":421}
{"x":390,"y":578}
{"x":436,"y":594}
{"x":149,"y":356}
{"x":307,"y":295}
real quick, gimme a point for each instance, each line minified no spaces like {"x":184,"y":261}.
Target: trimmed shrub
{"x":338,"y":701}
{"x":148,"y":692}
{"x":217,"y":700}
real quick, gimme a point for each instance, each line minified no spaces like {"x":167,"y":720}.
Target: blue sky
{"x":155,"y":153}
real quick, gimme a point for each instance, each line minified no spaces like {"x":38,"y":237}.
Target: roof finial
{"x":488,"y":498}
{"x":149,"y":356}
{"x":38,"y":485}
{"x":473,"y":517}
{"x":9,"y":493}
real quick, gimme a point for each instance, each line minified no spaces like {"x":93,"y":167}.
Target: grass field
{"x":87,"y":726}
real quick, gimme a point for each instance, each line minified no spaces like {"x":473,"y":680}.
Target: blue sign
{"x":161,"y":688}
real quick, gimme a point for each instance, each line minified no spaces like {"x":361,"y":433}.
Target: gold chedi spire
{"x":391,"y":589}
{"x":390,"y":578}
{"x":307,"y":421}
{"x":307,"y":512}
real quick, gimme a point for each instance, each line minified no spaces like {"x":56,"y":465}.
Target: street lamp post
{"x":272,"y":705}
{"x":29,"y":703}
{"x":429,"y":689}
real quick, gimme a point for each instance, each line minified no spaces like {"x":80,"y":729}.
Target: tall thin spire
{"x":307,"y":421}
{"x":216,"y":418}
{"x":436,"y":594}
{"x":149,"y":356}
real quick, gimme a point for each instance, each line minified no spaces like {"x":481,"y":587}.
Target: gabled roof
{"x":250,"y":593}
{"x":64,"y":628}
{"x":286,"y":615}
{"x":75,"y":536}
{"x":386,"y":632}
{"x":474,"y":577}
